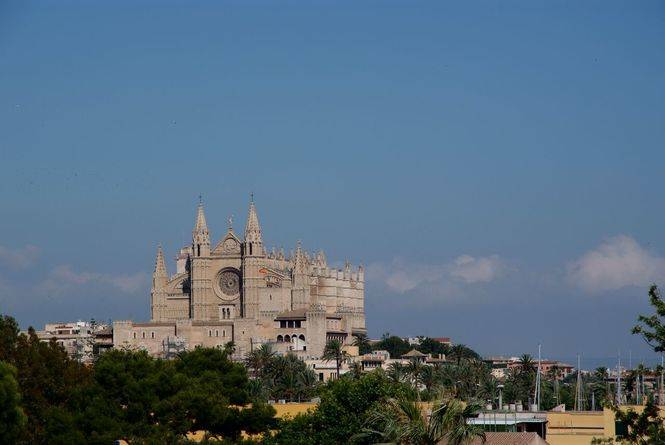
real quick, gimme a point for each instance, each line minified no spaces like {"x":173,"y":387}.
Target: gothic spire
{"x":200,"y":235}
{"x":160,"y":264}
{"x":300,"y":260}
{"x":253,"y":229}
{"x":201,"y":226}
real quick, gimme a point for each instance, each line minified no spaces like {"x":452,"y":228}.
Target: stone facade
{"x":237,"y":290}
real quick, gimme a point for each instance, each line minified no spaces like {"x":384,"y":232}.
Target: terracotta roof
{"x":414,"y":353}
{"x":503,"y":438}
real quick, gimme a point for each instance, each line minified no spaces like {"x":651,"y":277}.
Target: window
{"x":320,"y":376}
{"x":280,"y":339}
{"x":152,"y":335}
{"x":282,"y":324}
{"x":302,"y":337}
{"x":297,"y":323}
{"x":216,"y":332}
{"x":223,"y":333}
{"x":209,"y":332}
{"x":143,"y":334}
{"x":134,"y":335}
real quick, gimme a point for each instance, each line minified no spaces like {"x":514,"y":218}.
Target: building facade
{"x":238,"y":291}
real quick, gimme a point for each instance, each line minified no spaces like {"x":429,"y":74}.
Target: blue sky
{"x":497,"y":166}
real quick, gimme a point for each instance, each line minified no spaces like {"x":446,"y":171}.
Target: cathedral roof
{"x":296,"y":314}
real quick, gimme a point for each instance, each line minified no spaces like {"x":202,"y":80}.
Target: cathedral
{"x":238,"y":291}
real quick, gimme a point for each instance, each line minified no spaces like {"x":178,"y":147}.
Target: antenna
{"x":661,"y":389}
{"x":536,"y":394}
{"x":579,"y":394}
{"x":619,"y":380}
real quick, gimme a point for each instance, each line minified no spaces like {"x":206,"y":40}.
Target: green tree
{"x":395,"y":346}
{"x":645,"y":428}
{"x":652,"y":327}
{"x":344,"y":408}
{"x":288,"y":377}
{"x":334,"y":351}
{"x":461,"y":352}
{"x":12,"y":418}
{"x":430,"y":346}
{"x":362,"y":342}
{"x":403,"y":421}
{"x":258,"y":359}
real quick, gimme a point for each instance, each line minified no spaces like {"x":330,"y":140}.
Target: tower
{"x":252,"y":254}
{"x":300,"y":291}
{"x":158,"y":290}
{"x":200,"y":268}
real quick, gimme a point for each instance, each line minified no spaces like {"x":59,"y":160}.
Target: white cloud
{"x":20,"y":258}
{"x":477,"y":270}
{"x":401,"y":276}
{"x":63,"y":279}
{"x":618,"y":262}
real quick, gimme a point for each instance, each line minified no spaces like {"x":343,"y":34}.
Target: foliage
{"x":345,"y":406}
{"x":288,"y":377}
{"x":395,"y":346}
{"x":652,"y":327}
{"x":12,"y":418}
{"x":334,"y":351}
{"x":126,"y":394}
{"x":363,"y":344}
{"x":404,"y":421}
{"x":645,"y":428}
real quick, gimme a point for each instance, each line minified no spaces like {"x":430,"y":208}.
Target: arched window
{"x":216,"y":332}
{"x":280,"y":339}
{"x":209,"y":332}
{"x":302,"y":337}
{"x":134,"y":335}
{"x":198,"y":250}
{"x":152,"y":335}
{"x":143,"y":334}
{"x":287,"y":339}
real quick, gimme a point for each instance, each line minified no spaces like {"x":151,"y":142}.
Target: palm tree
{"x":458,"y":352}
{"x":396,"y":372}
{"x":356,"y":369}
{"x":334,"y":351}
{"x":258,"y":359}
{"x":230,"y":348}
{"x":362,"y":342}
{"x":403,"y":421}
{"x":414,"y":370}
{"x":430,"y":377}
{"x":526,"y":363}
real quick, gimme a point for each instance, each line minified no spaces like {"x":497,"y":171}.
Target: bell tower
{"x":200,"y":268}
{"x":158,"y":290}
{"x":252,"y":254}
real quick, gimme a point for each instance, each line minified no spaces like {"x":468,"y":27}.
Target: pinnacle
{"x":201,"y":225}
{"x":160,"y":265}
{"x":253,"y":229}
